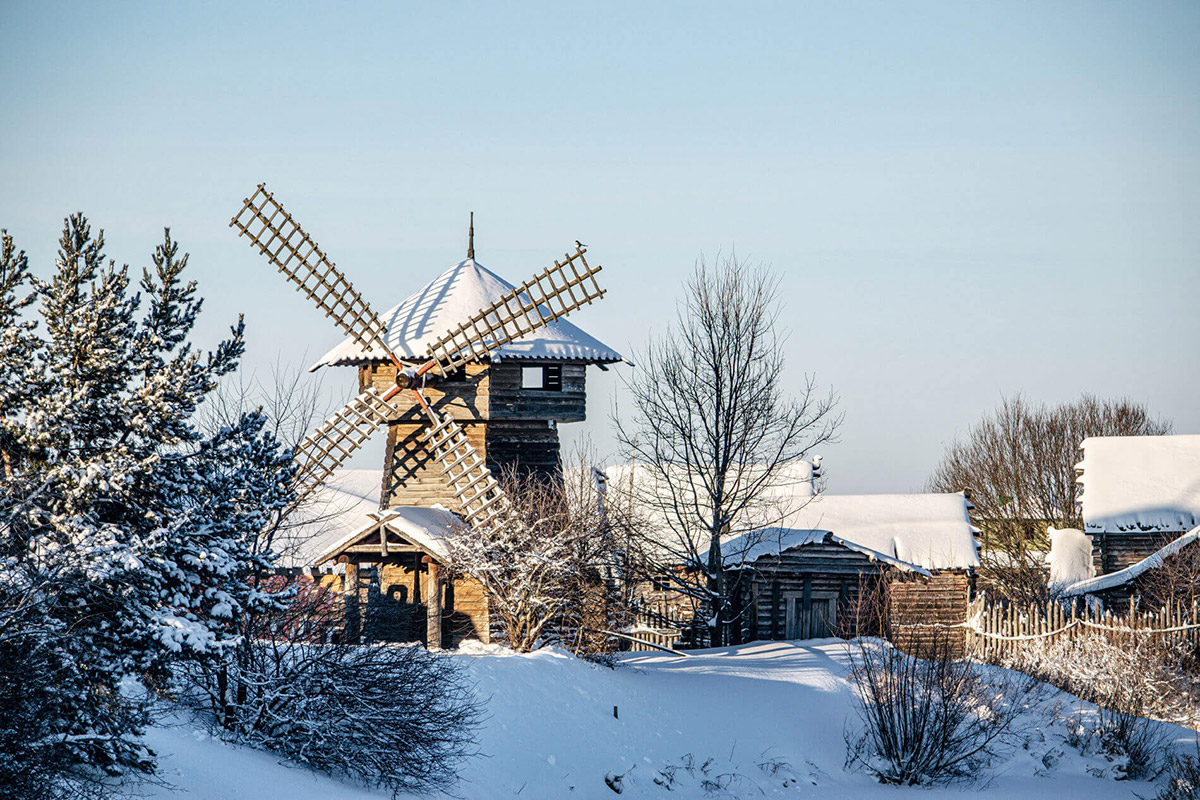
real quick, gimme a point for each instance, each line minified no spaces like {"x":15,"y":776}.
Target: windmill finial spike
{"x":471,"y":238}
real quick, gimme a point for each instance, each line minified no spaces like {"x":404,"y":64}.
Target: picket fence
{"x":996,"y":631}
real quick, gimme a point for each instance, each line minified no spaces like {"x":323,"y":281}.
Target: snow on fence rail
{"x":994,"y":631}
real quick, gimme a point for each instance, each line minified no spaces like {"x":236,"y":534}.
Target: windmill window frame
{"x":542,"y":378}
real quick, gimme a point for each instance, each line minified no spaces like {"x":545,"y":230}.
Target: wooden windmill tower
{"x":470,"y":375}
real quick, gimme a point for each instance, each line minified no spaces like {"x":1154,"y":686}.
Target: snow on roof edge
{"x":1124,"y":576}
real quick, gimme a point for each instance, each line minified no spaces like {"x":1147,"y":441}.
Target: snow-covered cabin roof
{"x":931,"y":531}
{"x":450,"y":299}
{"x":1124,"y":576}
{"x":1140,"y":483}
{"x":347,"y":506}
{"x":924,"y":531}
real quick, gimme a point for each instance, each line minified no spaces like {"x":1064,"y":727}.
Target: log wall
{"x":923,"y":612}
{"x":823,"y":581}
{"x":509,"y":401}
{"x":1116,"y":550}
{"x":411,"y":476}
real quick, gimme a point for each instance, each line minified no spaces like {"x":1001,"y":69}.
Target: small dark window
{"x":547,"y":378}
{"x":457,"y":375}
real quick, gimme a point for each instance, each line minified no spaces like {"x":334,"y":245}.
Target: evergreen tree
{"x":130,"y":538}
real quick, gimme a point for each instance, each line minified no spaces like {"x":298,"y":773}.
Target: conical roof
{"x":451,"y":298}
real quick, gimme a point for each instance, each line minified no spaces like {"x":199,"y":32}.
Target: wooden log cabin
{"x":389,"y":560}
{"x":819,"y":571}
{"x":1141,"y":507}
{"x":809,"y":575}
{"x":1139,"y":493}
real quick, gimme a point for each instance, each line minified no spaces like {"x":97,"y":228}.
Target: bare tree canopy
{"x":711,"y":420}
{"x":1019,"y":465}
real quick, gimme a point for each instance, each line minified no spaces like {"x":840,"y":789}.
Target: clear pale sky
{"x":965,"y":200}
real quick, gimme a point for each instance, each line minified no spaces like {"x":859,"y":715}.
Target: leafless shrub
{"x":1139,"y":674}
{"x":396,"y":717}
{"x":929,"y":720}
{"x":1182,"y":775}
{"x":556,"y":575}
{"x":1124,"y":732}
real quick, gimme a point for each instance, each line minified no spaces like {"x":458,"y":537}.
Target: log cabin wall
{"x":922,"y":611}
{"x":527,"y":447}
{"x":809,"y":591}
{"x":411,"y":476}
{"x":512,"y":427}
{"x":1116,"y":550}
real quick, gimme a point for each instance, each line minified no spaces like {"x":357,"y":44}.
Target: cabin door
{"x":818,"y":622}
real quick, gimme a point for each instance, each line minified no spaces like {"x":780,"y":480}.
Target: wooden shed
{"x":1140,"y":493}
{"x":388,"y":565}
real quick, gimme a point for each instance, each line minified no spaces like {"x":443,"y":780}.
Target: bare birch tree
{"x":1019,"y":465}
{"x":713,"y":425}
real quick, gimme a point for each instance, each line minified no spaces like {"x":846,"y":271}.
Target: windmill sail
{"x":328,"y":447}
{"x":484,"y":503}
{"x":280,"y":238}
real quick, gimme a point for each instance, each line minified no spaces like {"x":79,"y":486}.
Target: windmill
{"x":549,"y":295}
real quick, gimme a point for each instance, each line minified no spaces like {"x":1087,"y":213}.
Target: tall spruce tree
{"x":130,"y":539}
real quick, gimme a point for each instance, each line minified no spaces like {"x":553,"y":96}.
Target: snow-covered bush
{"x":126,"y":534}
{"x":395,"y":717}
{"x":1136,"y":674}
{"x":929,"y":720}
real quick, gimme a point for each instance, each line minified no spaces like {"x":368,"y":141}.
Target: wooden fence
{"x":995,"y":632}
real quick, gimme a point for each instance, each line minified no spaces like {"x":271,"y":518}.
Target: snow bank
{"x":1070,"y":557}
{"x":1140,"y":483}
{"x":763,"y":719}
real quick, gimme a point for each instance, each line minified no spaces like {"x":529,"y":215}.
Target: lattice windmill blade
{"x":485,"y":504}
{"x":280,"y":238}
{"x":328,"y":447}
{"x":554,"y":293}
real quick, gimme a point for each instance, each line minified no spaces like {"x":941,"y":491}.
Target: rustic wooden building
{"x":808,"y":575}
{"x":811,"y":576}
{"x":386,"y":544}
{"x":1140,"y":493}
{"x":510,"y":407}
{"x":1143,"y":583}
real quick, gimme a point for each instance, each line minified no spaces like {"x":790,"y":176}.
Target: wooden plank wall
{"x":530,"y":447}
{"x":1116,"y":550}
{"x":411,"y":476}
{"x":820,"y":571}
{"x":466,"y":400}
{"x":919,"y":607}
{"x":509,"y":401}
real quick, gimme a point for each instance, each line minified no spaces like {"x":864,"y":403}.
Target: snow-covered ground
{"x":763,"y":719}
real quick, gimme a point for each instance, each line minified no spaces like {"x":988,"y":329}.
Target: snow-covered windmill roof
{"x":1140,"y":483}
{"x":931,"y":531}
{"x":450,"y":299}
{"x":347,"y":506}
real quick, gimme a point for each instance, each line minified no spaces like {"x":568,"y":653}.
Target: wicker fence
{"x":995,"y":632}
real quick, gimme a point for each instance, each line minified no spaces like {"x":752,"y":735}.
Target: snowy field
{"x":758,"y":720}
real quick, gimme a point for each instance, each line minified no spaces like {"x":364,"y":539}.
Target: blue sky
{"x":965,"y":200}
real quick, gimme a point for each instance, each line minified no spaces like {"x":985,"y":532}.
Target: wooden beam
{"x":433,"y":605}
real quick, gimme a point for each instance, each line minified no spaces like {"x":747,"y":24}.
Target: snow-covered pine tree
{"x":129,"y":537}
